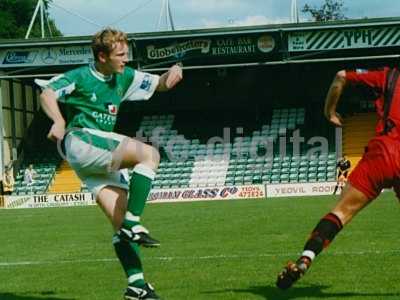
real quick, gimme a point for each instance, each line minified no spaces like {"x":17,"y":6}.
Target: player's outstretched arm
{"x":332,"y":98}
{"x":170,"y":78}
{"x":48,"y":101}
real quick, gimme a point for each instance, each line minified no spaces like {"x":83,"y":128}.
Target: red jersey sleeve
{"x":372,"y":78}
{"x":375,"y":79}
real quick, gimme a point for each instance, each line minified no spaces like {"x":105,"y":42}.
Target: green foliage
{"x":330,"y":10}
{"x":15,"y":16}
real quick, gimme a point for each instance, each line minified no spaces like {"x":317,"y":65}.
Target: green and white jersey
{"x":92,"y":99}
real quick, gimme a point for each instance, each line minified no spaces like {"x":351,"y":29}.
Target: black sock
{"x":336,"y":188}
{"x":323,"y":234}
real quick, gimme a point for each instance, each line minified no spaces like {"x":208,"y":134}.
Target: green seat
{"x":239,"y":180}
{"x":37,"y":190}
{"x":302,"y":177}
{"x":285,"y":170}
{"x":189,"y":163}
{"x":268,"y":159}
{"x":276,"y":171}
{"x":321,"y":176}
{"x":260,"y":160}
{"x":313,"y":163}
{"x":331,"y":168}
{"x":332,"y":156}
{"x":276,"y":165}
{"x":266,"y":178}
{"x":277,"y":159}
{"x":229,"y":181}
{"x":275,"y":178}
{"x":312,"y":169}
{"x":293,"y":177}
{"x":249,"y":172}
{"x":312,"y":177}
{"x":295,"y":164}
{"x":230,"y":173}
{"x":201,"y":152}
{"x":284,"y":178}
{"x":241,"y":161}
{"x":331,"y":163}
{"x":258,"y":167}
{"x":331,"y":175}
{"x":303,"y":170}
{"x":192,"y":152}
{"x":183,"y":182}
{"x":285,"y":164}
{"x":166,"y":183}
{"x":304,"y":163}
{"x":239,"y":173}
{"x":267,"y":171}
{"x":257,"y":179}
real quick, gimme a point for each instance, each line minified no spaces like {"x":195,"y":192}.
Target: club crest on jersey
{"x":146,"y":83}
{"x":122,"y":179}
{"x":112,"y":109}
{"x":93,"y":98}
{"x":361,"y":71}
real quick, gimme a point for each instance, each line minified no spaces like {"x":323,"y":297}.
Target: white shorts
{"x":89,"y":153}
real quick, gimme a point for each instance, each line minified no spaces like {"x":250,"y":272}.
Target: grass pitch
{"x":210,"y":250}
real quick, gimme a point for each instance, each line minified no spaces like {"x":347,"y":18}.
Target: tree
{"x":330,"y":10}
{"x":15,"y":16}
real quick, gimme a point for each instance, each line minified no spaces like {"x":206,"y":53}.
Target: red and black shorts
{"x":379,"y":168}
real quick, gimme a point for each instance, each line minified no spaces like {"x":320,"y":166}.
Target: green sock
{"x":139,"y":189}
{"x":129,"y":256}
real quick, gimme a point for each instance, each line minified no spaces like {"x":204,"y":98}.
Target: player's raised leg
{"x":351,"y":202}
{"x":144,"y":159}
{"x":113,"y":202}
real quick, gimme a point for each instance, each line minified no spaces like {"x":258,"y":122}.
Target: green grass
{"x":210,"y":250}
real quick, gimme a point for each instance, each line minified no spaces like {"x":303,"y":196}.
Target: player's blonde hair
{"x":106,"y":40}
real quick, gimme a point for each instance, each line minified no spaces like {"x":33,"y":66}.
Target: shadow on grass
{"x":314,"y":291}
{"x":46,"y":295}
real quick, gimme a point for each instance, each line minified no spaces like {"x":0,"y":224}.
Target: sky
{"x":85,"y":17}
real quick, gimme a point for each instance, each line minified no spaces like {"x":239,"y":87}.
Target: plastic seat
{"x":321,"y":176}
{"x":312,"y":177}
{"x":293,"y":177}
{"x":302,"y":177}
{"x":284,"y":178}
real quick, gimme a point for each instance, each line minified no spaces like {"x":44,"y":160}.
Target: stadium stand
{"x":358,"y":129}
{"x":37,"y":150}
{"x":45,"y":162}
{"x":188,"y":161}
{"x":65,"y":180}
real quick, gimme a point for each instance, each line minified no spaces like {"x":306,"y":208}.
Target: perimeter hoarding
{"x":49,"y":200}
{"x":54,"y":55}
{"x":344,"y":38}
{"x":300,"y":189}
{"x":208,"y":193}
{"x":161,"y":195}
{"x":200,"y":50}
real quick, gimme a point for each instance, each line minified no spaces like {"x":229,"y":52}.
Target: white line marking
{"x":208,"y":257}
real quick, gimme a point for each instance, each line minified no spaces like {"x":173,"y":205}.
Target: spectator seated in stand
{"x":29,"y":175}
{"x":8,"y":182}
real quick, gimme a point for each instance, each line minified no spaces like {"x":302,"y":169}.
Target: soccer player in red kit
{"x":379,"y":167}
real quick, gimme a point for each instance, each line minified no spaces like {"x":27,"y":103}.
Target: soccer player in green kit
{"x":92,"y":95}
